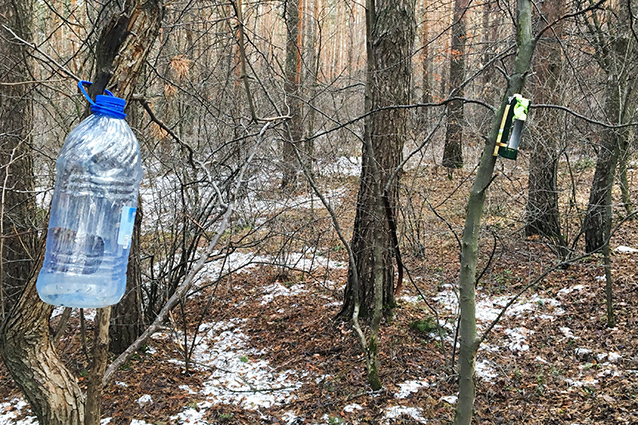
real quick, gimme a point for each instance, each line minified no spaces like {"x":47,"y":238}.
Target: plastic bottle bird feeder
{"x":514,"y":117}
{"x":98,"y":175}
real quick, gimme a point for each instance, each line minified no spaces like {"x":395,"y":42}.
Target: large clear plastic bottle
{"x":98,"y":174}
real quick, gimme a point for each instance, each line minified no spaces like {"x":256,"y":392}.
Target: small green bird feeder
{"x":514,"y":117}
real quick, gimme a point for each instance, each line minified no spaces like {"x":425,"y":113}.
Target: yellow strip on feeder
{"x":500,"y":131}
{"x":514,"y":117}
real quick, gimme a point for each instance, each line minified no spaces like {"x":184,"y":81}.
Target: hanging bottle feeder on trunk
{"x":514,"y":117}
{"x":98,"y":175}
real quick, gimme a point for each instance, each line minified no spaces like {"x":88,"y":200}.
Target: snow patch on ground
{"x":234,"y":262}
{"x":485,"y":370}
{"x":10,"y":410}
{"x":193,"y":416}
{"x":279,"y":290}
{"x":518,"y":339}
{"x":244,"y":261}
{"x":488,"y":308}
{"x":451,"y":399}
{"x":350,"y":408}
{"x":394,"y":412}
{"x":347,"y":166}
{"x":144,"y":400}
{"x":238,"y":375}
{"x":409,"y":387}
{"x":567,"y":332}
{"x":626,"y":250}
{"x":587,"y":382}
{"x":566,"y":291}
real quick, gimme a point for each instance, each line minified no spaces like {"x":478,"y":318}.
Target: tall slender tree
{"x":292,"y":86}
{"x":543,"y":216}
{"x":426,"y":61}
{"x":616,"y":53}
{"x":469,"y":253}
{"x":453,"y":149}
{"x":18,"y":233}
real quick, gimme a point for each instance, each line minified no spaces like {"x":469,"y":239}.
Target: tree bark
{"x":596,"y":218}
{"x":476,"y":201}
{"x":293,"y":96}
{"x":389,"y":80}
{"x":26,"y":344}
{"x":19,"y":238}
{"x":616,"y":55}
{"x":30,"y":356}
{"x":426,"y":89}
{"x":93,"y":410}
{"x":543,"y":217}
{"x":453,"y":149}
{"x":127,"y":321}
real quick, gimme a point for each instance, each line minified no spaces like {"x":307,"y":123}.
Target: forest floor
{"x":269,"y":350}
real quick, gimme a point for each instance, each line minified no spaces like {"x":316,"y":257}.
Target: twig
{"x":160,"y":123}
{"x":37,"y":49}
{"x":582,"y":117}
{"x":183,"y":288}
{"x":559,"y":265}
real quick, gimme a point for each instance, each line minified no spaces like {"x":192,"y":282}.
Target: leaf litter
{"x":268,"y":350}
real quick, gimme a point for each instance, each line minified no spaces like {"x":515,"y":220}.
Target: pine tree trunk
{"x":453,"y":149}
{"x":18,"y":233}
{"x":292,"y":89}
{"x":543,"y":216}
{"x":392,"y":39}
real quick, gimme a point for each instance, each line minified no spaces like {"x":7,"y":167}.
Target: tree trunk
{"x":293,"y":95}
{"x":623,"y":181}
{"x":469,"y":247}
{"x":26,"y":344}
{"x":389,"y":77}
{"x":127,"y":321}
{"x":18,"y":232}
{"x":314,"y":60}
{"x":543,"y":216}
{"x":600,"y":195}
{"x":93,"y":411}
{"x":30,"y":356}
{"x":617,"y":56}
{"x":453,"y":151}
{"x":426,"y":89}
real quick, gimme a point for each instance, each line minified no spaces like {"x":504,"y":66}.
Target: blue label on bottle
{"x":126,"y":227}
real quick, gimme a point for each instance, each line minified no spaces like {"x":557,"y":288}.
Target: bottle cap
{"x":108,"y":104}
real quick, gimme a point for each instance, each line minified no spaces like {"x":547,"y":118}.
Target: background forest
{"x":324,"y":235}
